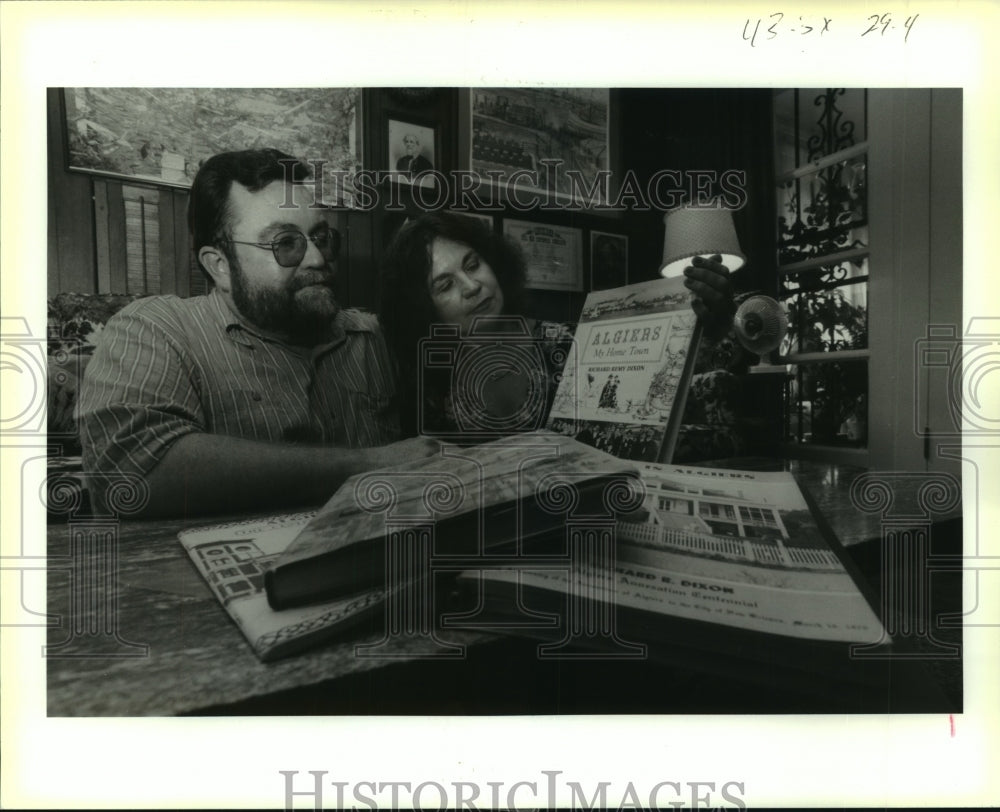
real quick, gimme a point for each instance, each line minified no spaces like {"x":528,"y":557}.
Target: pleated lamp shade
{"x":699,"y":231}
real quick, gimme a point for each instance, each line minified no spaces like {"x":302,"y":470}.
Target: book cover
{"x":472,"y":501}
{"x":232,"y":559}
{"x":723,"y":548}
{"x":623,"y":389}
{"x":716,"y":560}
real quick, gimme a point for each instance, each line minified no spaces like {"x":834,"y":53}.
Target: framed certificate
{"x":554,"y":254}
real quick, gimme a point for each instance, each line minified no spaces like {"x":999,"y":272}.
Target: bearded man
{"x":265,"y":391}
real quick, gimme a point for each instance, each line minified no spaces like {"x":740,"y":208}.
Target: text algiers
{"x":632,"y":336}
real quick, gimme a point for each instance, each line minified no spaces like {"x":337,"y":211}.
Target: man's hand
{"x":708,"y":279}
{"x":402,"y":451}
{"x":212,"y":473}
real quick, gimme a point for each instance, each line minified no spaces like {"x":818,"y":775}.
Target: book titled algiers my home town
{"x":623,"y":387}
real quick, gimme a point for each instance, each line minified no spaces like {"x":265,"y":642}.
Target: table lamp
{"x":705,"y":230}
{"x":699,"y":231}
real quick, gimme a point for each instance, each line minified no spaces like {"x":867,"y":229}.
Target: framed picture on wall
{"x":412,"y":150}
{"x":530,"y":138}
{"x":159,"y":134}
{"x":608,"y":260}
{"x":554,"y":254}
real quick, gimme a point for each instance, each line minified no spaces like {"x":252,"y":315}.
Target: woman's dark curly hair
{"x":407,"y":311}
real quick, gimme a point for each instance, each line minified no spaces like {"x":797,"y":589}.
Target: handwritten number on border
{"x":775,"y":24}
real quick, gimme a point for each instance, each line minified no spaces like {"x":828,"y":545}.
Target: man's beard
{"x":305,"y":321}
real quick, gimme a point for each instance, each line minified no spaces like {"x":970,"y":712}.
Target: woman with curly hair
{"x":470,"y":364}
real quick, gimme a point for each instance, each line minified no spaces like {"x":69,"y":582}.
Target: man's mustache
{"x":306,"y":280}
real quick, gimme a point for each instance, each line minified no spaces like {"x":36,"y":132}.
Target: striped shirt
{"x":165,"y":367}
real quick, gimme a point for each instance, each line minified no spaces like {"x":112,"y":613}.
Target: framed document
{"x":554,"y":254}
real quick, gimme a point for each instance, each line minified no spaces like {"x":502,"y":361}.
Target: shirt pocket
{"x":258,"y":414}
{"x":374,"y":411}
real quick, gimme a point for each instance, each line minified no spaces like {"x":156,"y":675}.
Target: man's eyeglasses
{"x":289,"y":247}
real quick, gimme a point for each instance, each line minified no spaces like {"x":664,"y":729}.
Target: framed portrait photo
{"x":553,"y":254}
{"x":413,"y":151}
{"x":608,"y":260}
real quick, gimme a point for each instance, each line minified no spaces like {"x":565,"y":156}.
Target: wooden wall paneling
{"x":616,"y":162}
{"x":52,"y":242}
{"x":116,"y":238}
{"x":71,"y":261}
{"x":75,"y":234}
{"x":463,"y":134}
{"x":55,"y":160}
{"x":169,"y":272}
{"x":358,"y":266}
{"x":182,"y":244}
{"x":102,"y":239}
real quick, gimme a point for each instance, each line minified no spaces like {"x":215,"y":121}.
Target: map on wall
{"x":163,"y":135}
{"x":530,"y":137}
